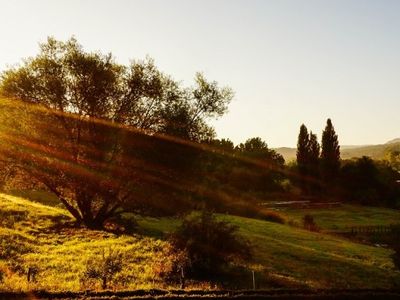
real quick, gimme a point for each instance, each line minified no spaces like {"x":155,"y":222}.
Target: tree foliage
{"x":330,"y":152}
{"x":370,"y":182}
{"x":393,"y":157}
{"x":307,"y":158}
{"x":303,"y":151}
{"x":103,"y":267}
{"x":80,"y":114}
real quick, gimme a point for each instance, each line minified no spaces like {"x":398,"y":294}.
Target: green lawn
{"x":301,"y":258}
{"x":30,"y":235}
{"x":346,"y":215}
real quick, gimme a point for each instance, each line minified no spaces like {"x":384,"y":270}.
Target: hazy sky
{"x":289,"y":62}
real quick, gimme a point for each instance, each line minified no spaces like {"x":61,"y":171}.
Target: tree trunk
{"x":104,"y":283}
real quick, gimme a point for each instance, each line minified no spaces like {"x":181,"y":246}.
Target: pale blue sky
{"x":289,"y":62}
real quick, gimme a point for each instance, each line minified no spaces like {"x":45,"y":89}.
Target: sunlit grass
{"x":60,"y":254}
{"x":346,"y":215}
{"x":283,"y":255}
{"x":301,"y":258}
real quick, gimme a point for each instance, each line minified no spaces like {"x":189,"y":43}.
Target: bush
{"x":273,"y":216}
{"x":210,"y":244}
{"x":172,"y":265}
{"x":103,"y":268}
{"x":309,"y":223}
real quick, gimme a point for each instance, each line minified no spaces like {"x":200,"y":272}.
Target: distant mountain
{"x":394,"y":141}
{"x":350,"y":151}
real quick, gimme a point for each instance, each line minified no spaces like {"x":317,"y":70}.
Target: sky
{"x":289,"y":62}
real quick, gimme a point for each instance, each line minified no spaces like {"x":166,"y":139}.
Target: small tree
{"x":210,"y":244}
{"x":172,"y":265}
{"x":103,"y":268}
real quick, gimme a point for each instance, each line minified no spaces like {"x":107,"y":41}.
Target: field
{"x":40,"y":236}
{"x":340,"y":218}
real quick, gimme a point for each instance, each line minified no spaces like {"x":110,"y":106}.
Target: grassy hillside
{"x":340,"y":218}
{"x":347,"y":152}
{"x":35,"y":235}
{"x":32,"y":234}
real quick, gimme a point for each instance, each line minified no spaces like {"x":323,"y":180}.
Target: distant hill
{"x":394,"y":141}
{"x":350,"y":151}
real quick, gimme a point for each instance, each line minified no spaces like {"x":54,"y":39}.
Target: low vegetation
{"x":210,"y":245}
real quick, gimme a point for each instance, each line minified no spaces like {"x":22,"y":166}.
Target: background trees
{"x":361,"y":180}
{"x":370,"y":182}
{"x":307,"y":157}
{"x":74,"y":129}
{"x":250,"y":167}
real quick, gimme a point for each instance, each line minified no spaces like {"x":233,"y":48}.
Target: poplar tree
{"x":314,"y":151}
{"x":330,"y":153}
{"x":313,"y":160}
{"x":302,"y":146}
{"x":302,"y":155}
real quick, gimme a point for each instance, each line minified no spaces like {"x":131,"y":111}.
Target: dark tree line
{"x":243,"y":175}
{"x":317,"y":165}
{"x":322,"y":174}
{"x":370,"y":182}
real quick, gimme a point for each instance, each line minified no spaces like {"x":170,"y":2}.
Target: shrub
{"x":309,"y":223}
{"x":103,"y":268}
{"x":210,"y":244}
{"x":172,"y":265}
{"x":273,"y":216}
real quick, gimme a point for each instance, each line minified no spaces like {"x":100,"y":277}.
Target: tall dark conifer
{"x":302,"y":156}
{"x":330,"y":154}
{"x":313,"y":162}
{"x":303,"y":140}
{"x":314,"y":151}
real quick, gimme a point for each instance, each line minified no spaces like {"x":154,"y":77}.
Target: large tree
{"x":75,"y":118}
{"x":330,"y":153}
